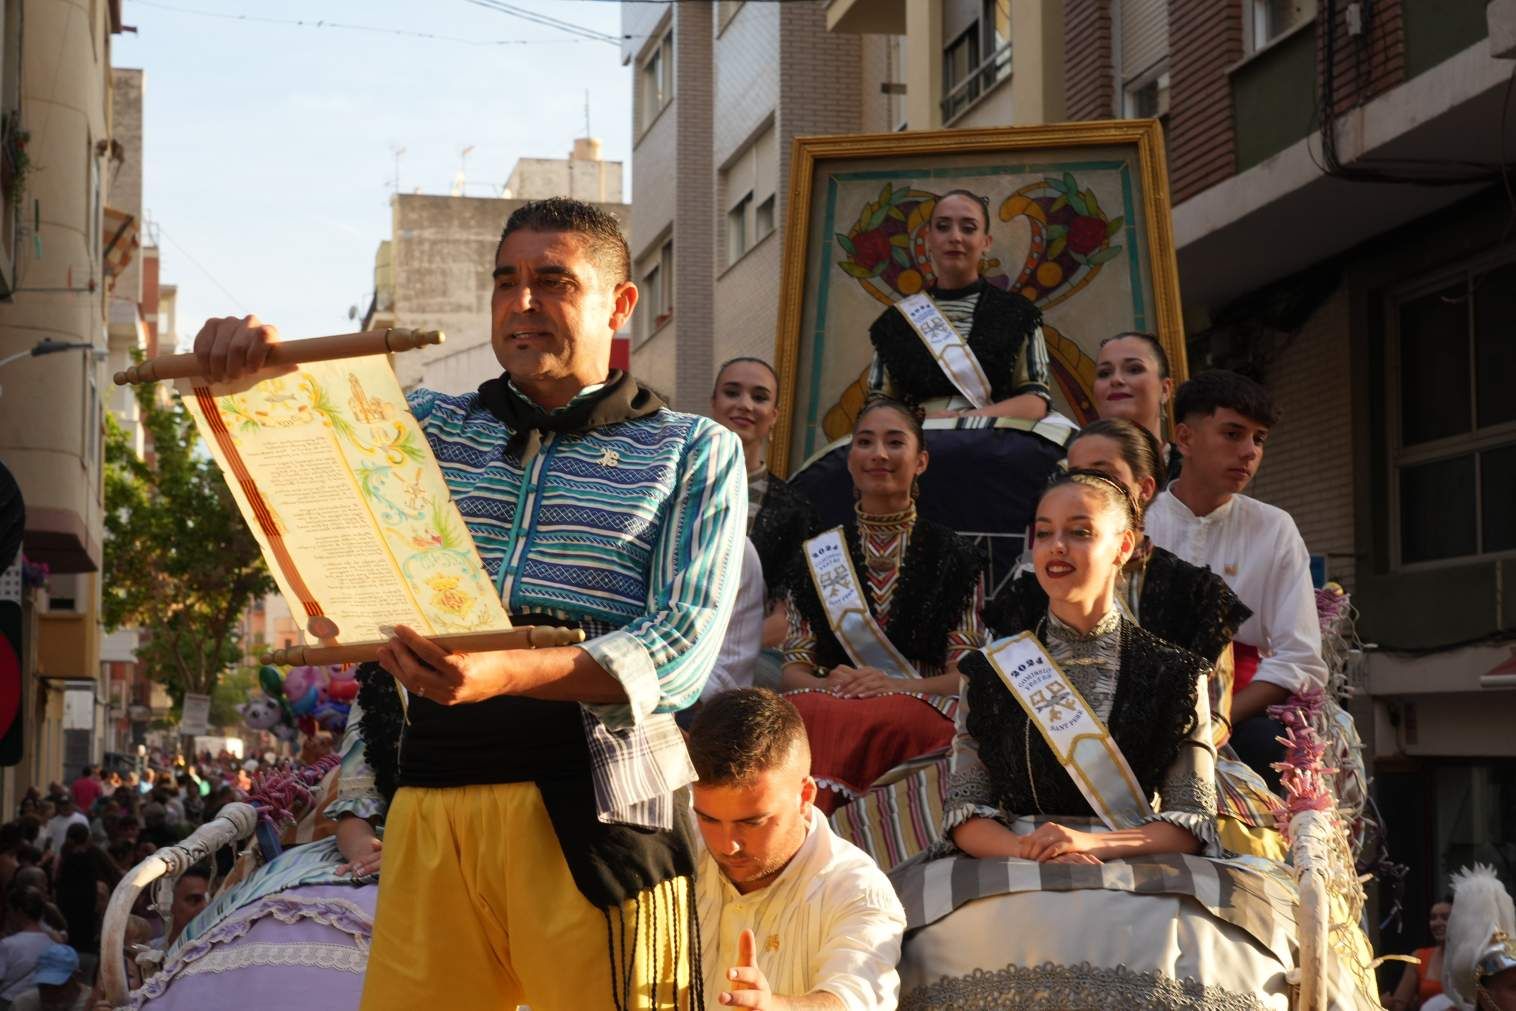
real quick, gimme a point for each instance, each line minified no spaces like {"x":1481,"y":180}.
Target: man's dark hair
{"x":741,"y":734}
{"x":602,"y":233}
{"x":201,"y":870}
{"x":1218,"y":388}
{"x":29,"y":902}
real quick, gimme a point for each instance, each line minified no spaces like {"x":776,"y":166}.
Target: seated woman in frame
{"x":1183,"y":604}
{"x":881,"y":609}
{"x":972,"y":357}
{"x":964,"y":348}
{"x":1083,"y":741}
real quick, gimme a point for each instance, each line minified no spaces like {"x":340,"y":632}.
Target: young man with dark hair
{"x":1223,"y":420}
{"x":536,"y":833}
{"x":791,"y":916}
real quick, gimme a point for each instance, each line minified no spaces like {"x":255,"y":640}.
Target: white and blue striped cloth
{"x":633,"y":531}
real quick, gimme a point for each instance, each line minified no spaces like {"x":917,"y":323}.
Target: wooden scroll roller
{"x":312,"y":349}
{"x":523,"y":637}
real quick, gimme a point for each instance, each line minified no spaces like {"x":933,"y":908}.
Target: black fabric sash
{"x":509,"y":739}
{"x":622,"y":398}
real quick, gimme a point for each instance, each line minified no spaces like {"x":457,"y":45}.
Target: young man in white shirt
{"x":1223,"y":420}
{"x":791,"y":916}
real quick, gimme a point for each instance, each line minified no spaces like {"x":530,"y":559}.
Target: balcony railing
{"x":994,"y":68}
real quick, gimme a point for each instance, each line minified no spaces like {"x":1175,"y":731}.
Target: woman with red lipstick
{"x":746,"y":400}
{"x":1183,"y":604}
{"x":970,"y":355}
{"x":1132,"y":382}
{"x":1080,"y":867}
{"x":877,"y":682}
{"x":1001,"y":329}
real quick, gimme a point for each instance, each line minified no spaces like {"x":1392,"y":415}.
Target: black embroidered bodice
{"x":1152,"y":714}
{"x":783,"y":523}
{"x":1003,"y":323}
{"x":938,"y":578}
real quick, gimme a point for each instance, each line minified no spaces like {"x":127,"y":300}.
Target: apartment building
{"x":720,"y":91}
{"x":434,"y":271}
{"x":57,"y":155}
{"x":1343,"y":235}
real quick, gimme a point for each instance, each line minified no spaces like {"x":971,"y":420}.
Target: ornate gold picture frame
{"x":1079,"y":218}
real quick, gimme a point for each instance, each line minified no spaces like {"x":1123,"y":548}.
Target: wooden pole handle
{"x":523,"y":637}
{"x":311,"y":349}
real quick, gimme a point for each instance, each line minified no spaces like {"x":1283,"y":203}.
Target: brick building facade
{"x":1343,"y":270}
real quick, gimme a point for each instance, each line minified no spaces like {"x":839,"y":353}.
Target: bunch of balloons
{"x":305,"y":700}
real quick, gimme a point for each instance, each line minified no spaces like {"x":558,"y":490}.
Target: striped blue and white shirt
{"x":633,"y":531}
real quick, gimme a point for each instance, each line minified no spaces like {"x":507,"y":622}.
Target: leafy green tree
{"x":180,"y":564}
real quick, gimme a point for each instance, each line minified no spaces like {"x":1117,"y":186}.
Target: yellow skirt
{"x":477,"y":909}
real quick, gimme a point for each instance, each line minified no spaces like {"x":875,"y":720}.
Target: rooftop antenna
{"x":397,"y":150}
{"x":459,"y":179}
{"x":587,"y":132}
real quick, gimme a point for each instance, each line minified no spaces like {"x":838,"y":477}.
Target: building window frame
{"x":655,"y":285}
{"x":747,"y":189}
{"x":975,"y":61}
{"x":1475,"y":442}
{"x":655,"y":80}
{"x":1263,"y":25}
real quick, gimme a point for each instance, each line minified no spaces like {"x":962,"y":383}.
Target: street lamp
{"x":48,"y":346}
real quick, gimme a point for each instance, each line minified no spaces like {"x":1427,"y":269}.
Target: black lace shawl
{"x":784,"y":521}
{"x":1187,"y":605}
{"x":1003,"y":322}
{"x":939,"y":575}
{"x":382,"y":722}
{"x":1153,"y":713}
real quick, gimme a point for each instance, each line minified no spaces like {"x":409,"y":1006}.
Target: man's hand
{"x":428,"y":670}
{"x":750,"y":988}
{"x":229,"y":347}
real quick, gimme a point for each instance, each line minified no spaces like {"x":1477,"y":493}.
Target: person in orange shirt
{"x":1422,"y":981}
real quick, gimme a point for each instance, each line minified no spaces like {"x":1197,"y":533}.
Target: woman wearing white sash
{"x":1183,"y":604}
{"x":1036,"y":903}
{"x":878,"y":686}
{"x":1008,"y":375}
{"x":971,"y":357}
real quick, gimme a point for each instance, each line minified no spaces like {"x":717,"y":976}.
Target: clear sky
{"x":268,"y":165}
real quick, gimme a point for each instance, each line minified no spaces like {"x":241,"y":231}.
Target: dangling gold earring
{"x":915,"y":488}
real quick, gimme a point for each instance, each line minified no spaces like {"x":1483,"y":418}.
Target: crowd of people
{"x":537,"y":827}
{"x":68,"y":848}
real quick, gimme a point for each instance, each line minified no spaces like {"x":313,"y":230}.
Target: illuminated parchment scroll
{"x":338,"y":484}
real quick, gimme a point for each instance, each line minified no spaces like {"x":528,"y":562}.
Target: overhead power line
{"x":345,"y":26}
{"x":546,"y":21}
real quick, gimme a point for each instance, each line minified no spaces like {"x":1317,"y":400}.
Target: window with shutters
{"x":977,"y":57}
{"x":1452,"y":417}
{"x":1142,"y":59}
{"x":748,"y":186}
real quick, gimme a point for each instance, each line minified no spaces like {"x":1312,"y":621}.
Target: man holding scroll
{"x":533,"y":853}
